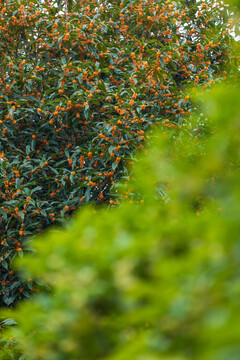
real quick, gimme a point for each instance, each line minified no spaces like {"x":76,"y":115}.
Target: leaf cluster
{"x":155,"y":280}
{"x":79,"y":90}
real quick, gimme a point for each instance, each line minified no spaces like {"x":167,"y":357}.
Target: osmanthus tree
{"x":80,"y":84}
{"x":156,"y":280}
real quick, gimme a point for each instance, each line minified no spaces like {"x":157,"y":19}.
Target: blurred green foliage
{"x":154,"y":280}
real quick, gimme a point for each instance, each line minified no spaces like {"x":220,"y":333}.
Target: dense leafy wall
{"x":156,"y":280}
{"x":78,"y":91}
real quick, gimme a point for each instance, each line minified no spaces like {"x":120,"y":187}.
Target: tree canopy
{"x":155,"y":280}
{"x":79,"y":88}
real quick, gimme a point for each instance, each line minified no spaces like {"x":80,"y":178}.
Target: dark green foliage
{"x":78,"y":91}
{"x":155,"y":280}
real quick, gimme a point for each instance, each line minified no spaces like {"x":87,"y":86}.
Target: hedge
{"x":154,"y":280}
{"x":79,"y":87}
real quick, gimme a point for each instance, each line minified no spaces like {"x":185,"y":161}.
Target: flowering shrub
{"x":80,"y":84}
{"x":156,"y":280}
